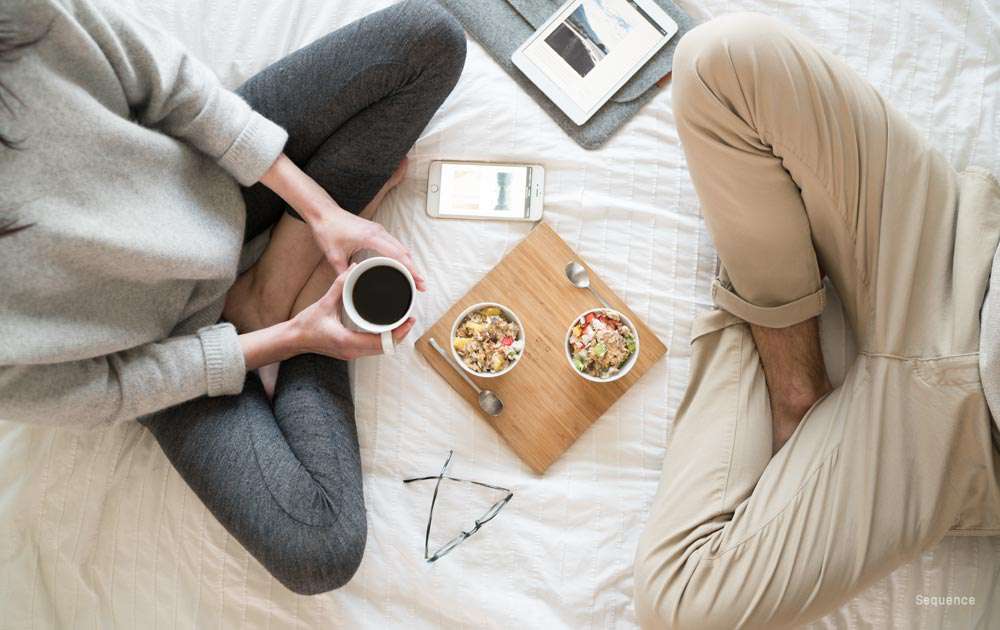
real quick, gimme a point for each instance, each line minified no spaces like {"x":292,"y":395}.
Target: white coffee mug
{"x":353,"y":319}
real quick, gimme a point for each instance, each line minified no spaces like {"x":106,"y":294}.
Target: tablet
{"x":590,"y":48}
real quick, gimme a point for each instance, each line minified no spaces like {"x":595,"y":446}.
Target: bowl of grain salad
{"x":487,"y":339}
{"x":602,"y":345}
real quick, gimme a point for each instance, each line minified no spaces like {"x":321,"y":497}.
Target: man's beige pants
{"x":804,"y":170}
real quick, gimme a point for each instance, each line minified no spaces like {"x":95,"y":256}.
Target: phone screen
{"x":496,"y":191}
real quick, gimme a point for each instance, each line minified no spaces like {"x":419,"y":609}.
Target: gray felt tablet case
{"x":501,"y":26}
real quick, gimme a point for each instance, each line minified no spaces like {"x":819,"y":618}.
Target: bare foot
{"x":247,"y":309}
{"x":394,"y":181}
{"x":264,"y":294}
{"x":316,"y":287}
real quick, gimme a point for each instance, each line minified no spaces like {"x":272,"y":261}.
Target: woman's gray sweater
{"x":127,"y":171}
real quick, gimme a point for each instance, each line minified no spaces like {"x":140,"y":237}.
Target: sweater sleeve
{"x":127,"y":384}
{"x":168,"y":89}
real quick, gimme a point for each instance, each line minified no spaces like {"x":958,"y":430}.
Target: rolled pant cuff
{"x":769,"y":316}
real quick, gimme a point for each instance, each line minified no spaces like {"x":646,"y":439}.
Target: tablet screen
{"x":590,"y":47}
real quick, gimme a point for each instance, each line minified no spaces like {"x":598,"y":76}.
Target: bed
{"x":97,"y":530}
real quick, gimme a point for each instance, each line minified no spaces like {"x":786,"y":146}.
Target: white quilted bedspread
{"x":96,"y":529}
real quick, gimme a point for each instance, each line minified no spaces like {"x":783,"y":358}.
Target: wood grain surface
{"x":547,"y":405}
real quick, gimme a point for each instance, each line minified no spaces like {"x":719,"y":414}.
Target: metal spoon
{"x":578,"y":276}
{"x":488,"y":400}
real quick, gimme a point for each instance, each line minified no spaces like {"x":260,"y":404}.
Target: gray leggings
{"x":285,"y":478}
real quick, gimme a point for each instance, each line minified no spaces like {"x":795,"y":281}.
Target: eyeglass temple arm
{"x":478,"y":483}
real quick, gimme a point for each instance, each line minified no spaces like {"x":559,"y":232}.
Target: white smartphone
{"x":485,"y":190}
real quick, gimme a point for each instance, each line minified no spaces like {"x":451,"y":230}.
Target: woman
{"x":123,"y":172}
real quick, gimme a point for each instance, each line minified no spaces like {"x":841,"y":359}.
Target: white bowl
{"x":628,"y":364}
{"x":509,"y":314}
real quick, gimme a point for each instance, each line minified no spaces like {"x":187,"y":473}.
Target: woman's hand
{"x":338,"y":233}
{"x":341,"y":234}
{"x":318,"y":329}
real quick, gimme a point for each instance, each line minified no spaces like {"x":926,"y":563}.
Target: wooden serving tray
{"x":547,"y":405}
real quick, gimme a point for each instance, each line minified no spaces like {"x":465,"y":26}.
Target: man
{"x":803,"y":170}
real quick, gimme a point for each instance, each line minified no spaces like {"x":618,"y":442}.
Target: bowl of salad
{"x":602,"y":345}
{"x":487,"y":339}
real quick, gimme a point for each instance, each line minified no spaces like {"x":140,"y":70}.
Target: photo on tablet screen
{"x":589,"y":34}
{"x":594,"y":46}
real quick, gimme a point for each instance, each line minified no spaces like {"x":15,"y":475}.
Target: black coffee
{"x":382,"y":295}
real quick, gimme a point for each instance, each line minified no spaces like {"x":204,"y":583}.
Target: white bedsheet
{"x":96,"y":530}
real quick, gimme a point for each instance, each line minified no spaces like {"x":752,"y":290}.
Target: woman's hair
{"x":11,"y":41}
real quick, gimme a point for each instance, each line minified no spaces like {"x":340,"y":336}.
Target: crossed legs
{"x":801,"y":167}
{"x":284,"y":476}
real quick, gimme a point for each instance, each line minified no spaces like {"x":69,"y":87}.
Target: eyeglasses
{"x":485,"y":518}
